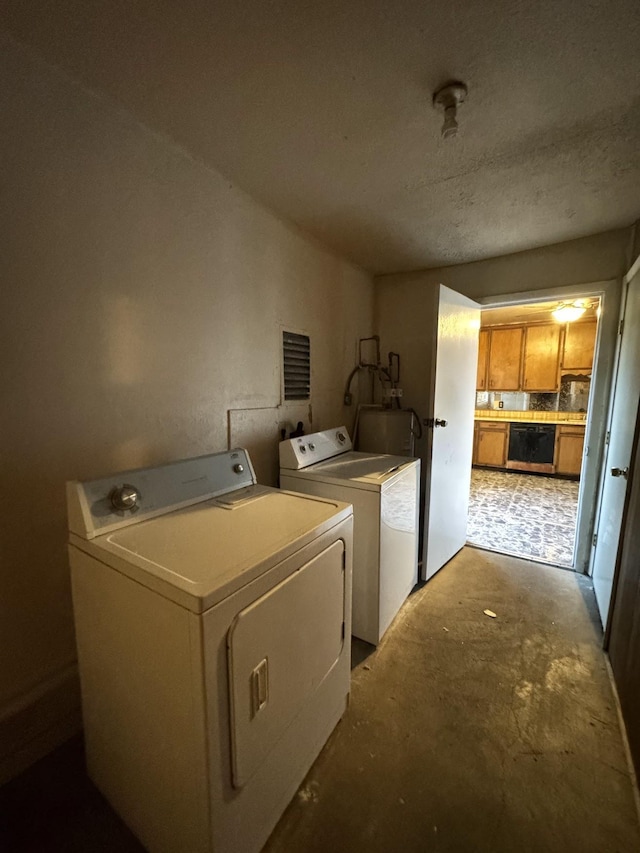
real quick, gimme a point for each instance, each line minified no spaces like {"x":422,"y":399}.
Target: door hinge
{"x":620,"y":327}
{"x":607,"y":437}
{"x":594,"y":541}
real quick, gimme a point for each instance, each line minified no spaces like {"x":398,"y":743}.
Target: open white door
{"x":450,"y":424}
{"x":625,"y":395}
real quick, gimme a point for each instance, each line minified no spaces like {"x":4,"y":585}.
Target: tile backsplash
{"x":573,"y":397}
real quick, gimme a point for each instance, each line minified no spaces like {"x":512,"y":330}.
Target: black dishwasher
{"x":531,"y":442}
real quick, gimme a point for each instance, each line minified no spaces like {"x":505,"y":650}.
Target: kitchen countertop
{"x":533,"y":420}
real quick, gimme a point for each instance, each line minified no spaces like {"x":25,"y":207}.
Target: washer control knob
{"x":124,"y":497}
{"x":342,"y":437}
{"x":238,"y":468}
{"x":303,"y":448}
{"x":312,"y":446}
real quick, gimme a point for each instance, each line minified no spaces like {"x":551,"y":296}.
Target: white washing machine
{"x":211,"y":616}
{"x":384,"y":491}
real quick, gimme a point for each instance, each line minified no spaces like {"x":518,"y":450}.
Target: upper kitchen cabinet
{"x":505,"y":355}
{"x":541,"y":357}
{"x":579,"y":344}
{"x":483,"y":359}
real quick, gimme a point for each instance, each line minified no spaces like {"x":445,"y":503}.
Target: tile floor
{"x":524,"y":515}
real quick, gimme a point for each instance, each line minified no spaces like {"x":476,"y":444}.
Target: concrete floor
{"x":464,"y":733}
{"x":467,"y":733}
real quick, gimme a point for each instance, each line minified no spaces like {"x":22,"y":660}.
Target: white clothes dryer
{"x":211,"y":616}
{"x":385,"y":492}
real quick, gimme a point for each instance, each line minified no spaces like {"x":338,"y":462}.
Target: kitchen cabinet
{"x":483,"y":359}
{"x":579,"y":344}
{"x":532,"y":357}
{"x":490,"y":445}
{"x":569,"y":449}
{"x":541,"y":363}
{"x":505,"y":356}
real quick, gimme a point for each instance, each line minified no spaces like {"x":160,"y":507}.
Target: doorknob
{"x":620,"y":472}
{"x":435,"y":422}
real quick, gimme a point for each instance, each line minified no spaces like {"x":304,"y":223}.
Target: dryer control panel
{"x":297,"y":453}
{"x":101,"y":506}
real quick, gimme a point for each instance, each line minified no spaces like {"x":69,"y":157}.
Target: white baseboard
{"x":39,"y":721}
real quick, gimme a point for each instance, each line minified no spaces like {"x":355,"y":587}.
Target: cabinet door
{"x":491,"y":448}
{"x":569,"y":448}
{"x":504,"y":359}
{"x":483,"y":358}
{"x":579,"y":343}
{"x":541,"y":370}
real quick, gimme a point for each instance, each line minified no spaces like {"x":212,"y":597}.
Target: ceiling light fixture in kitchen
{"x":567,"y":312}
{"x":449,"y":98}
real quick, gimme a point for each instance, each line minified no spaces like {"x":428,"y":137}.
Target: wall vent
{"x":296,"y":357}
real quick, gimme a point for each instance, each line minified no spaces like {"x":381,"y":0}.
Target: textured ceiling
{"x":322,"y":110}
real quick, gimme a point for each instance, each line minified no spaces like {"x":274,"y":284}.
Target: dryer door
{"x":280,"y":649}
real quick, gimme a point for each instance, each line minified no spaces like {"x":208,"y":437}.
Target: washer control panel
{"x":297,"y":453}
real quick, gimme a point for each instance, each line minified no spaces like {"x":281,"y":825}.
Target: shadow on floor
{"x":53,"y":807}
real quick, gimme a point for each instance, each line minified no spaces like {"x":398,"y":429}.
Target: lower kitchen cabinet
{"x":490,"y":444}
{"x":569,"y":449}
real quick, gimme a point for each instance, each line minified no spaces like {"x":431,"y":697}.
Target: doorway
{"x":532,"y":417}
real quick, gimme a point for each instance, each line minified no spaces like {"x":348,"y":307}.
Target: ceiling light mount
{"x":449,"y":98}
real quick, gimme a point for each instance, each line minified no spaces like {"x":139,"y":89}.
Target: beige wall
{"x":596,"y":258}
{"x":142,"y":298}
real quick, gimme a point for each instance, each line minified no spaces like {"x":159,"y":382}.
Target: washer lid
{"x":360,"y":470}
{"x":199,"y":555}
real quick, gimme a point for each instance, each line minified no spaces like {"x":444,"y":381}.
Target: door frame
{"x":596,"y":426}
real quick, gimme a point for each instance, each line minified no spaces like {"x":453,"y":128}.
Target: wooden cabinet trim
{"x":483,"y":360}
